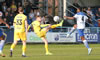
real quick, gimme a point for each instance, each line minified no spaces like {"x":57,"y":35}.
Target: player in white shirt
{"x":81,"y":19}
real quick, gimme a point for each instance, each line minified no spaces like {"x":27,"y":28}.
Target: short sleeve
{"x":87,"y":17}
{"x":75,"y":16}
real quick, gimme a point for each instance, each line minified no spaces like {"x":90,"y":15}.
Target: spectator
{"x":84,"y":10}
{"x":89,"y":12}
{"x":43,"y":20}
{"x":75,"y":6}
{"x":13,"y":7}
{"x":6,"y":18}
{"x":19,"y":4}
{"x":11,"y":18}
{"x":28,"y":8}
{"x":31,"y":15}
{"x":98,"y":16}
{"x":1,"y":14}
{"x":9,"y":11}
{"x":92,"y":16}
{"x":8,"y":2}
{"x":4,"y":7}
{"x":89,"y":20}
{"x":38,"y":12}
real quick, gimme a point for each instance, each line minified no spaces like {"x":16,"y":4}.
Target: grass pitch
{"x":60,"y":52}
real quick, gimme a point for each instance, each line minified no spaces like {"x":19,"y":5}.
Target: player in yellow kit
{"x":20,"y":31}
{"x":42,"y":32}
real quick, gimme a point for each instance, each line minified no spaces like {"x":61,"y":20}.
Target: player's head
{"x":98,"y":9}
{"x":38,"y":18}
{"x":20,"y":9}
{"x":79,"y":9}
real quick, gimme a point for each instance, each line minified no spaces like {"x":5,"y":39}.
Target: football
{"x":56,"y":18}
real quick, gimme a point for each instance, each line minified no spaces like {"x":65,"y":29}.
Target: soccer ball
{"x":56,"y":18}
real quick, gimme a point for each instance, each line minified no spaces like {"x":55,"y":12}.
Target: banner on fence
{"x":90,"y":37}
{"x":51,"y":37}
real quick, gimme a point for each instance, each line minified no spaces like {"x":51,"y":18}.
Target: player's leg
{"x":42,"y":36}
{"x":23,"y":38}
{"x":24,"y":48}
{"x":12,"y":47}
{"x":86,"y":44}
{"x":16,"y":38}
{"x":46,"y":46}
{"x":2,"y":42}
{"x":1,"y":47}
{"x":81,"y":33}
{"x":72,"y":30}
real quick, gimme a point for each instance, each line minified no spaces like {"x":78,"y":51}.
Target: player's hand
{"x":8,"y":26}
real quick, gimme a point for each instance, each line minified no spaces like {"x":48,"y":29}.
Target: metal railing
{"x":67,"y":29}
{"x":64,"y":29}
{"x":74,"y":13}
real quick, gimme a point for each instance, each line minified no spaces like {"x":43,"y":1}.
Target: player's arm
{"x":4,"y":23}
{"x":69,"y":17}
{"x":14,"y":23}
{"x":29,"y":26}
{"x":26,"y":25}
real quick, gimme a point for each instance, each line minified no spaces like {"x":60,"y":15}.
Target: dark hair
{"x":80,"y":8}
{"x":20,"y":9}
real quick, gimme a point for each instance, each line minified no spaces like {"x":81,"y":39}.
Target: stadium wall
{"x":52,"y":37}
{"x":10,"y":35}
{"x":57,"y":37}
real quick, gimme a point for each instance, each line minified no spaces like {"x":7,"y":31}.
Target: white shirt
{"x":31,"y":15}
{"x":89,"y":12}
{"x":81,"y":19}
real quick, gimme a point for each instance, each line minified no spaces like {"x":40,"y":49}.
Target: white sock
{"x":0,"y":51}
{"x":2,"y":42}
{"x":86,"y":44}
{"x":11,"y":49}
{"x":23,"y":53}
{"x":72,"y":30}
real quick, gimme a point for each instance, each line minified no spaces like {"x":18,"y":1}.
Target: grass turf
{"x":60,"y":52}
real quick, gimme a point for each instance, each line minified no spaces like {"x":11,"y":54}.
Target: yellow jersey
{"x":36,"y":25}
{"x":19,"y":23}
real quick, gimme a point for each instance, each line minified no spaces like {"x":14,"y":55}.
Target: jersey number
{"x":82,"y":18}
{"x":19,"y":22}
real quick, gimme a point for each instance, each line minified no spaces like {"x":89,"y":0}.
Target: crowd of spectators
{"x":9,"y":11}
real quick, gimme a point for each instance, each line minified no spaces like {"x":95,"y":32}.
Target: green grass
{"x":60,"y":52}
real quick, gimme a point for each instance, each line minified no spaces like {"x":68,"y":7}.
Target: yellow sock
{"x":46,"y":48}
{"x":54,"y":26}
{"x":13,"y":46}
{"x":57,"y":25}
{"x":23,"y":49}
